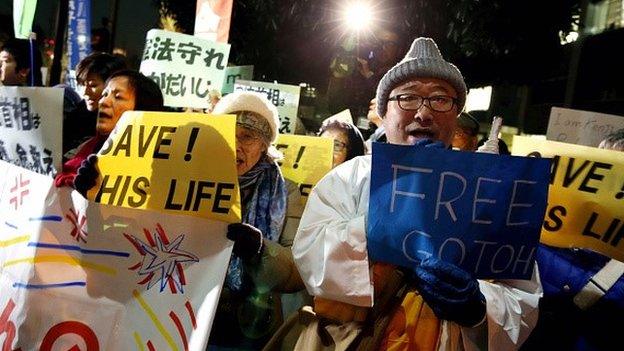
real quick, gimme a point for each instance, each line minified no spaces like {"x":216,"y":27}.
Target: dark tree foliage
{"x":492,"y":41}
{"x":511,"y":41}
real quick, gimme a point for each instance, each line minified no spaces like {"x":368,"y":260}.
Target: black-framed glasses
{"x":413,"y":102}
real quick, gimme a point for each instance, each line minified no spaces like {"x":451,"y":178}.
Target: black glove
{"x":87,"y":175}
{"x":247,"y":240}
{"x":450,"y":291}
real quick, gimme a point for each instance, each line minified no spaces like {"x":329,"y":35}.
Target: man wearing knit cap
{"x":373,"y":305}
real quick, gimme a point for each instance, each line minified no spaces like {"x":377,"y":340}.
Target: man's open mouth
{"x":422,"y":134}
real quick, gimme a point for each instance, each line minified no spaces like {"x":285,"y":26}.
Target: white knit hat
{"x":258,"y":103}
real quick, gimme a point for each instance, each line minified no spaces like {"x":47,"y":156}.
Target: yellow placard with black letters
{"x":306,"y":160}
{"x":585,"y":197}
{"x":182,"y":163}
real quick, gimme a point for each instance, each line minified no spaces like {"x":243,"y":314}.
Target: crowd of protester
{"x":281,"y":248}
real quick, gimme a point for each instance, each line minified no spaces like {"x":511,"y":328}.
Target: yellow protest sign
{"x":306,"y":160}
{"x":182,"y":163}
{"x":585,"y":197}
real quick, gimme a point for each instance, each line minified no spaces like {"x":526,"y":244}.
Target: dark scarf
{"x":265,"y":209}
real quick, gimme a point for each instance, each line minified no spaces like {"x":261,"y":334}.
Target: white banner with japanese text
{"x":234,"y":74}
{"x":31,"y":128}
{"x":284,"y":97}
{"x":185,"y":67}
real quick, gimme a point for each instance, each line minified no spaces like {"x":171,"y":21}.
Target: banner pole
{"x":61,"y":26}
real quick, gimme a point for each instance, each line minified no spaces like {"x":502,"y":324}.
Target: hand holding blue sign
{"x":450,"y":291}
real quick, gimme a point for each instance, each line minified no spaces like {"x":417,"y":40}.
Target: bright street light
{"x":357,"y":15}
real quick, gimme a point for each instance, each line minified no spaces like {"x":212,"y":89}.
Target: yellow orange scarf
{"x":413,"y":326}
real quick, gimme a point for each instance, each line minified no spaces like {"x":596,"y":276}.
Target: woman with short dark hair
{"x":125,"y":91}
{"x":148,"y":96}
{"x":348,"y":140}
{"x":91,"y":73}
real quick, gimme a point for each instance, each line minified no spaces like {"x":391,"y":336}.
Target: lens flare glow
{"x":358,"y":15}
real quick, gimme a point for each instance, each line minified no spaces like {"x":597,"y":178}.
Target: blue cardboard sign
{"x":482,"y":212}
{"x":78,"y":31}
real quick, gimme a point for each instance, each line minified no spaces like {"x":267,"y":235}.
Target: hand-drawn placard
{"x":482,"y":212}
{"x":581,"y":127}
{"x":31,"y":128}
{"x":585,"y":197}
{"x":306,"y":160}
{"x":74,"y":272}
{"x":180,"y":163}
{"x":284,"y":97}
{"x":236,"y":73}
{"x":185,"y":67}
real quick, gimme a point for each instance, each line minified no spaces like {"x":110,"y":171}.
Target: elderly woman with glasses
{"x":249,"y":308}
{"x":348,"y":141}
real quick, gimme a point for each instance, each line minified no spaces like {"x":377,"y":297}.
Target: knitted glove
{"x":86,"y":175}
{"x":248,"y":242}
{"x":430,"y":143}
{"x":451,"y":292}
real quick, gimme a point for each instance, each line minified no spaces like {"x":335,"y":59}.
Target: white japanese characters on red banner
{"x":31,"y":128}
{"x":74,"y":272}
{"x":185,"y":67}
{"x":581,"y":127}
{"x":284,"y":97}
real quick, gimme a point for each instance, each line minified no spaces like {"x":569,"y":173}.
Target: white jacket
{"x":330,"y":253}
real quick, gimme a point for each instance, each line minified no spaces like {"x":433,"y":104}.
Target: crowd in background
{"x":280,"y":248}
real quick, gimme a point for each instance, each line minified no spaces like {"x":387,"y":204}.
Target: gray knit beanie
{"x":423,"y":60}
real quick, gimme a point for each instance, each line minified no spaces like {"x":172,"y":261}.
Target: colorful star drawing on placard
{"x":162,"y":260}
